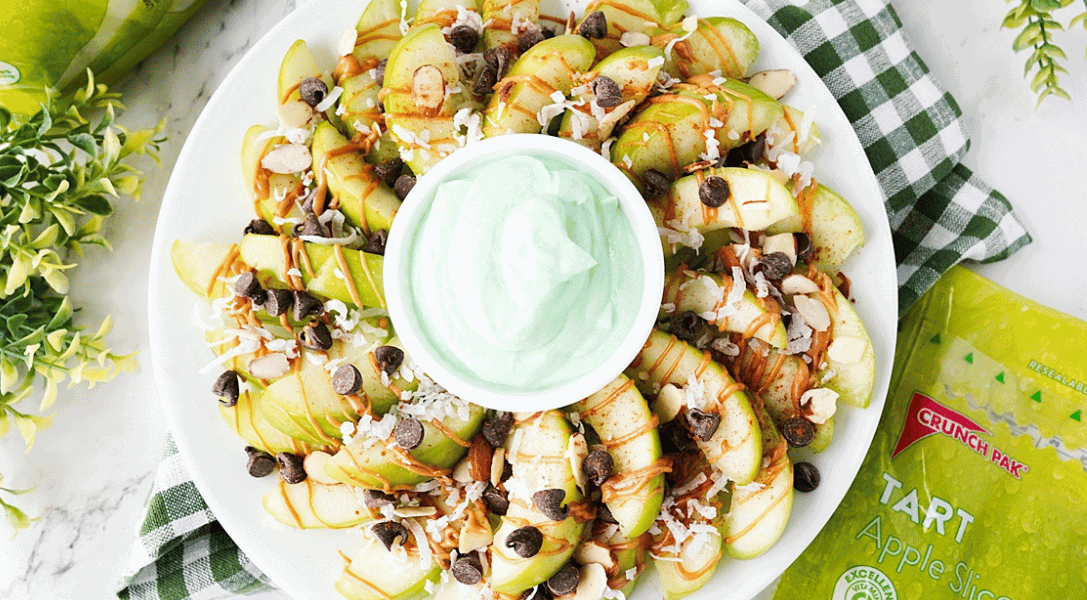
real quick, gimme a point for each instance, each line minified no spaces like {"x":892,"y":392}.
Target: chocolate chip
{"x":376,"y":498}
{"x":464,"y":38}
{"x":379,"y":73}
{"x":389,"y":170}
{"x":593,"y":26}
{"x":540,"y":592}
{"x":713,"y":191}
{"x":389,"y":358}
{"x":247,"y":286}
{"x":376,"y":243}
{"x":260,"y":463}
{"x":564,"y":581}
{"x":485,"y":81}
{"x":387,"y":532}
{"x":548,"y":33}
{"x":805,"y":477}
{"x":549,"y":502}
{"x":306,"y":305}
{"x":315,"y":336}
{"x":497,"y":428}
{"x":675,"y":437}
{"x":496,"y":500}
{"x":598,"y":466}
{"x":312,"y":226}
{"x":346,"y":379}
{"x":403,"y":185}
{"x":604,"y":514}
{"x":757,"y":148}
{"x":798,"y":431}
{"x":276,"y":301}
{"x":687,"y":326}
{"x":497,"y":58}
{"x":525,"y":541}
{"x":226,"y":388}
{"x":803,"y":246}
{"x":408,"y":433}
{"x":607,"y":92}
{"x":313,"y":90}
{"x":529,"y":38}
{"x":507,"y":470}
{"x":468,"y":569}
{"x":259,"y":227}
{"x":703,"y":424}
{"x":655,"y":184}
{"x":290,"y":467}
{"x":775,"y":266}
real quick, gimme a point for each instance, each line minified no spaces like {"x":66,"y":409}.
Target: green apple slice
{"x":631,"y":70}
{"x":378,"y":30}
{"x":688,"y":571}
{"x":267,"y":189}
{"x":199,"y":265}
{"x":756,"y":201}
{"x":499,"y":17}
{"x":382,"y":464}
{"x":363,"y":199}
{"x":705,"y":293}
{"x":736,"y":447}
{"x":323,"y":272}
{"x":422,"y":93}
{"x":787,"y":133}
{"x":835,"y":228}
{"x":375,"y":573}
{"x":311,"y":505}
{"x":626,"y":426}
{"x":853,"y":380}
{"x":443,"y":13}
{"x":720,"y":44}
{"x":547,"y":68}
{"x":537,"y":449}
{"x":246,"y":420}
{"x":638,"y":16}
{"x":298,"y":64}
{"x":360,"y":104}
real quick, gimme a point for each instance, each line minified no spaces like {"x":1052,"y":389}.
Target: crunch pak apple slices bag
{"x":975,"y":486}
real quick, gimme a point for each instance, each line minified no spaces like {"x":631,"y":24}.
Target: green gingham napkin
{"x":939,"y":211}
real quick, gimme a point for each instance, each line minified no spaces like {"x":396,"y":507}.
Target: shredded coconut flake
{"x":329,"y":100}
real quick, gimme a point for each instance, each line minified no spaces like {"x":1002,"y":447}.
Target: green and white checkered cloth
{"x":939,"y":211}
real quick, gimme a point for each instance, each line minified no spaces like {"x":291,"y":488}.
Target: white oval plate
{"x":206,"y":200}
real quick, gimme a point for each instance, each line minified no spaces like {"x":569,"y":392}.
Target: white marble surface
{"x":93,"y":468}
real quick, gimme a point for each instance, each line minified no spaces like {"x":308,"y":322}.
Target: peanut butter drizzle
{"x":619,"y":6}
{"x":347,"y":66}
{"x":373,"y":589}
{"x":732,"y":538}
{"x":667,"y":377}
{"x":410,"y":463}
{"x":709,"y":213}
{"x":319,"y":195}
{"x":645,"y":427}
{"x":284,"y":206}
{"x":627,"y":485}
{"x":709,"y":32}
{"x":224,"y":266}
{"x":672,"y":285}
{"x":311,"y":418}
{"x":806,"y":200}
{"x":367,"y":35}
{"x":583,"y":510}
{"x":290,"y":506}
{"x":792,"y":127}
{"x":289,"y":251}
{"x":372,"y":358}
{"x":449,"y":433}
{"x":612,"y":397}
{"x":252,"y":421}
{"x":260,"y":183}
{"x":559,"y":545}
{"x":290,"y":90}
{"x":768,"y":318}
{"x":349,"y":280}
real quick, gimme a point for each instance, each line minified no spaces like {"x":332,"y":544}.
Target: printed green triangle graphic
{"x":1037,"y":397}
{"x":1000,"y":377}
{"x":1078,"y":415}
{"x":970,"y":358}
{"x":935,"y":339}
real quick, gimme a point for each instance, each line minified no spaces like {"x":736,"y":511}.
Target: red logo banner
{"x":926,"y":417}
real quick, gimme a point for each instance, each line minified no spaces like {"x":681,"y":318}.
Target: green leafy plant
{"x":1035,"y":20}
{"x":58,"y":173}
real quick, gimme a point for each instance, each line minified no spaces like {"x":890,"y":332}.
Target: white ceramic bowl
{"x":402,"y":309}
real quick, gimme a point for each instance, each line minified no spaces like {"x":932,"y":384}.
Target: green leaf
{"x":17,"y":518}
{"x":85,"y":142}
{"x":1028,"y":37}
{"x":1052,"y":51}
{"x":1080,"y":19}
{"x":96,"y":204}
{"x":5,"y":118}
{"x":47,"y":121}
{"x":1045,"y":5}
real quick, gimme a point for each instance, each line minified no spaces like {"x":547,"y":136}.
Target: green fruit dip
{"x":525,"y":273}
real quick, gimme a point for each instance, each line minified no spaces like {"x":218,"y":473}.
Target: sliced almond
{"x":288,"y":158}
{"x":498,"y":465}
{"x":314,"y":465}
{"x":479,"y":459}
{"x":269,"y":366}
{"x":462,"y":473}
{"x":346,"y":45}
{"x":408,"y":512}
{"x":775,"y":83}
{"x":819,"y":404}
{"x":593,"y":552}
{"x":782,"y":242}
{"x":428,"y":89}
{"x":813,"y":311}
{"x":634,"y":38}
{"x":847,"y":350}
{"x":576,"y":452}
{"x":610,"y":120}
{"x":474,"y":537}
{"x":798,"y":284}
{"x":592,"y":584}
{"x":294,"y":114}
{"x":670,"y":400}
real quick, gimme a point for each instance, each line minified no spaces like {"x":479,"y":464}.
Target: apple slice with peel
{"x":382,"y":464}
{"x":707,"y":293}
{"x":537,"y":450}
{"x":688,"y":571}
{"x":756,"y":201}
{"x":636,"y":16}
{"x":298,"y":64}
{"x":545,"y":69}
{"x":627,"y":428}
{"x":788,"y":133}
{"x":629,"y":554}
{"x":311,"y":505}
{"x":246,"y":420}
{"x":363,"y":198}
{"x":717,"y":44}
{"x":443,"y":13}
{"x":323,"y":273}
{"x":199,"y":264}
{"x":854,"y":375}
{"x":736,"y":447}
{"x":836,"y":229}
{"x":376,"y":573}
{"x":499,"y":17}
{"x":378,"y":30}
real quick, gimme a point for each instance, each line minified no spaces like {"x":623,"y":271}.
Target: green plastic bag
{"x":51,"y":43}
{"x":976,"y":483}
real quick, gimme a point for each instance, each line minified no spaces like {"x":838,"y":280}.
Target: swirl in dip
{"x":524,"y":274}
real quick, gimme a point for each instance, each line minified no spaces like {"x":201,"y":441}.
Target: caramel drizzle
{"x":449,"y":433}
{"x":551,"y":545}
{"x":224,"y":267}
{"x":611,"y":397}
{"x":712,"y":35}
{"x":348,"y":278}
{"x":290,"y":505}
{"x":792,"y":126}
{"x":370,"y":35}
{"x":628,"y":485}
{"x":392,"y":387}
{"x":780,"y":465}
{"x":373,"y":589}
{"x":626,"y":438}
